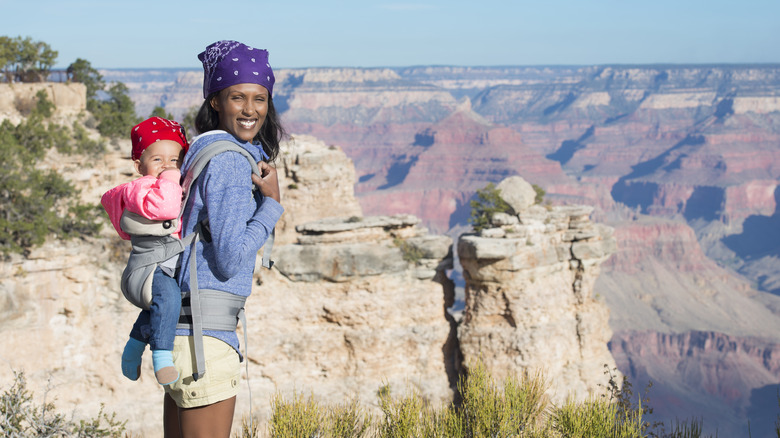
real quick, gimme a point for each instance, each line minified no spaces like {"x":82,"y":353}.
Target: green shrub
{"x":402,"y":418}
{"x":159,"y":111}
{"x":188,"y":122}
{"x":81,"y":71}
{"x":621,"y":394}
{"x":596,"y":418}
{"x":515,"y":407}
{"x":116,"y":114}
{"x":25,"y":60}
{"x":348,"y":420}
{"x":490,"y":409}
{"x":409,"y":252}
{"x":37,"y":203}
{"x":488,"y":202}
{"x":43,"y":106}
{"x":539,"y":198}
{"x":21,"y":417}
{"x":300,"y":417}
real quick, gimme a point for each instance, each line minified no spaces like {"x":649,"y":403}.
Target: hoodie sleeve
{"x":239,"y":226}
{"x":114,"y":205}
{"x":155,"y":198}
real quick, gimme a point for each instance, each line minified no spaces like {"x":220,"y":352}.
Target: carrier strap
{"x":208,"y":309}
{"x":200,"y":162}
{"x":200,"y":308}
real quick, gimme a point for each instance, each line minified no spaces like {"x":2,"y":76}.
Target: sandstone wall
{"x":529,"y":294}
{"x":343,"y":314}
{"x":17,"y":99}
{"x":317,"y":181}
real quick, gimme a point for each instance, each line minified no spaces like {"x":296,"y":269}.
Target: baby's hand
{"x":172,"y":174}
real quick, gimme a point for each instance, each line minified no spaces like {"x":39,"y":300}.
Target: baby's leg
{"x":164,"y":310}
{"x":135,"y":346}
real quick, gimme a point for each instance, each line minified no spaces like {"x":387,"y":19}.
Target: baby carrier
{"x":153,"y":244}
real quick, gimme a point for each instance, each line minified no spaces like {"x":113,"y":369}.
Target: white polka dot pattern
{"x":227,"y":63}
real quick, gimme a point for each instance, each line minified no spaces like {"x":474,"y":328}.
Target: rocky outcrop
{"x":357,"y":304}
{"x":17,"y":100}
{"x":529,"y":280}
{"x":316,"y":181}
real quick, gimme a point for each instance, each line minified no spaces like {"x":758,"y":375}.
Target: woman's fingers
{"x":268,"y":183}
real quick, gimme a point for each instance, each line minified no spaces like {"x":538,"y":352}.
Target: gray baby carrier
{"x":152,"y":244}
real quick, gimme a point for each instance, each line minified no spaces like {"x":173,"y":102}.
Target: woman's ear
{"x":214,"y":102}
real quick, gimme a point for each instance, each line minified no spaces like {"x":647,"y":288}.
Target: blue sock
{"x":164,"y":370}
{"x":131,"y":358}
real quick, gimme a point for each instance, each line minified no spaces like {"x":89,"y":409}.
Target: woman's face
{"x":242,"y":109}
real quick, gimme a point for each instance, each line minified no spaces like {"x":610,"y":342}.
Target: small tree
{"x":7,"y":56}
{"x":159,"y":111}
{"x":26,"y":60}
{"x":188,"y":121}
{"x":115,"y":115}
{"x":488,"y":202}
{"x":37,"y":203}
{"x":81,"y":71}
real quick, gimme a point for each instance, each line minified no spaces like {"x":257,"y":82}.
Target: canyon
{"x":355,"y":305}
{"x":681,"y":161}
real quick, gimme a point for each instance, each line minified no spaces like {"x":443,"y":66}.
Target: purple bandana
{"x":227,"y":63}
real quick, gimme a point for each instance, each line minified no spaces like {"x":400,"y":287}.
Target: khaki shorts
{"x":223,"y":373}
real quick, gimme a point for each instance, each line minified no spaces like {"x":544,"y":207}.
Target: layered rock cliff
{"x":355,"y":305}
{"x":17,"y":100}
{"x":529,"y":281}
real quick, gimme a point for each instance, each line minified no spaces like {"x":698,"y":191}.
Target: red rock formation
{"x":699,"y":374}
{"x":673,"y":242}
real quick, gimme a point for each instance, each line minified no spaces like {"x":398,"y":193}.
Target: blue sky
{"x":153,"y":34}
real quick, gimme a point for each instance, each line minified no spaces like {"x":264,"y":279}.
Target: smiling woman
{"x":238,"y":108}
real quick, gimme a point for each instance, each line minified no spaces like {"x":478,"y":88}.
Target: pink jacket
{"x":151,"y":197}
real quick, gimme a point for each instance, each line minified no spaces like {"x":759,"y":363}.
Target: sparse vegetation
{"x":21,"y":417}
{"x":36,"y":203}
{"x":188,"y":122}
{"x":515,"y":407}
{"x":25,"y":60}
{"x":488,"y":202}
{"x":159,"y":111}
{"x":409,"y":252}
{"x":539,"y":194}
{"x":116,"y":113}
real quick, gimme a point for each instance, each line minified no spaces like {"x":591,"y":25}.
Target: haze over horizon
{"x":350,"y":33}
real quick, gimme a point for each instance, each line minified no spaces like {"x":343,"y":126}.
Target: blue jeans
{"x":157,"y":326}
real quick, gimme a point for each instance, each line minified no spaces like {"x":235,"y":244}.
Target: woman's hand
{"x":268,"y":183}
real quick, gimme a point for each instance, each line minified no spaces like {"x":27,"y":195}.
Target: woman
{"x":237,"y":87}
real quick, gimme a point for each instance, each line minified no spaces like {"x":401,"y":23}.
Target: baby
{"x":158,"y":146}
